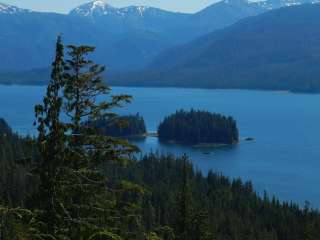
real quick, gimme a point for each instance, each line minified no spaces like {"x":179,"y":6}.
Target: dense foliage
{"x":213,"y":206}
{"x":197,"y":127}
{"x":180,"y":203}
{"x":122,"y":126}
{"x":13,"y":177}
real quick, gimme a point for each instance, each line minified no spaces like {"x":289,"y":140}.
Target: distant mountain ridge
{"x":95,"y":8}
{"x":274,"y":4}
{"x":278,"y":50}
{"x":9,"y":9}
{"x":182,"y":27}
{"x":101,"y":8}
{"x":27,"y":37}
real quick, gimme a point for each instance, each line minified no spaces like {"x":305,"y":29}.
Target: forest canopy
{"x":198,"y":127}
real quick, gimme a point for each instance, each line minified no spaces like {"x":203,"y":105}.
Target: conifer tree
{"x":88,"y":205}
{"x":41,"y":219}
{"x":51,"y":137}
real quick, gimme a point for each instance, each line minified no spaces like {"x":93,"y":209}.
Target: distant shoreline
{"x":144,"y":135}
{"x":198,"y":145}
{"x":179,"y":87}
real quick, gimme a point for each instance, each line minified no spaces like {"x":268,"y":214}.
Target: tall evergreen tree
{"x":51,"y":138}
{"x":88,"y":207}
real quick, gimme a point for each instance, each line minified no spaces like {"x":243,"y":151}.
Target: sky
{"x":64,"y":6}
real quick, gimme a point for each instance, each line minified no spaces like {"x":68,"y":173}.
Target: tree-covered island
{"x":199,"y":127}
{"x":122,"y":126}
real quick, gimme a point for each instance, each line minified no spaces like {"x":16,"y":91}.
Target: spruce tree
{"x":51,"y":138}
{"x":88,"y":205}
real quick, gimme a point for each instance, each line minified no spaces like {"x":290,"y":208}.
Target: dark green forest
{"x":121,"y":126}
{"x":213,"y":207}
{"x":71,"y":182}
{"x":195,"y":127}
{"x":13,"y":177}
{"x":174,"y":201}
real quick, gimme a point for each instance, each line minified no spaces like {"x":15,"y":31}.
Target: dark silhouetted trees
{"x":121,"y":126}
{"x":196,"y":127}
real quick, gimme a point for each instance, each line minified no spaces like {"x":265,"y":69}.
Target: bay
{"x":284,"y":159}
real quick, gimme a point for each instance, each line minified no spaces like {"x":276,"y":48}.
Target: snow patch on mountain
{"x":98,"y":7}
{"x":274,"y":4}
{"x":9,"y":9}
{"x":101,"y":8}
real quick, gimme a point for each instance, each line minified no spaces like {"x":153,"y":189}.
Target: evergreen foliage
{"x":121,"y":126}
{"x":196,"y":127}
{"x":13,"y":178}
{"x":213,"y":207}
{"x":177,"y":202}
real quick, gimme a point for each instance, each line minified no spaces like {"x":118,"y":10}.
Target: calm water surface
{"x":284,"y":159}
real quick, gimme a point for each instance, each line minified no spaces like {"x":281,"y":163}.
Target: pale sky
{"x":64,"y":6}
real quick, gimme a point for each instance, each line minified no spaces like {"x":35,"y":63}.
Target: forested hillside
{"x":174,"y":201}
{"x":13,"y":177}
{"x":278,"y":50}
{"x":213,"y":207}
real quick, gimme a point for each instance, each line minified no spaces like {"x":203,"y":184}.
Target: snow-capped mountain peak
{"x":101,"y":8}
{"x":9,"y":9}
{"x":95,"y":8}
{"x":99,"y":5}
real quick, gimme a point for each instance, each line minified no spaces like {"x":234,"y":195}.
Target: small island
{"x":122,"y":126}
{"x":199,"y":128}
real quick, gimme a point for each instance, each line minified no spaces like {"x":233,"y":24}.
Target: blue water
{"x":284,"y":159}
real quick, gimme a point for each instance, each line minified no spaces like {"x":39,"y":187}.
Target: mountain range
{"x":126,"y":38}
{"x":268,"y":44}
{"x":276,"y":50}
